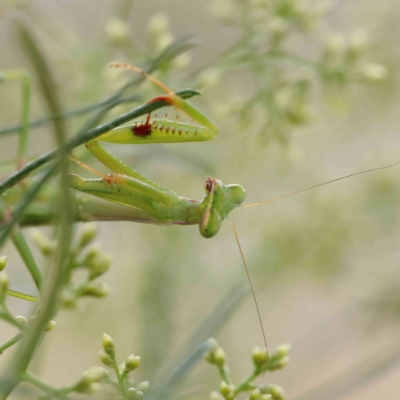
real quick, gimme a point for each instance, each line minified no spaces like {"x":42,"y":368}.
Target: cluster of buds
{"x":108,"y":358}
{"x":83,"y":256}
{"x":279,"y":358}
{"x":343,"y":62}
{"x":158,"y":35}
{"x":256,"y":394}
{"x":274,"y":391}
{"x":275,"y":18}
{"x":262,"y":362}
{"x":216,"y":355}
{"x":90,"y":378}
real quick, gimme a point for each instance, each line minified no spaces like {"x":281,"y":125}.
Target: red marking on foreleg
{"x":143,"y":129}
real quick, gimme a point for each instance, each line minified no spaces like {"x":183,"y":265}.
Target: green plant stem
{"x":224,"y":375}
{"x":15,"y":339}
{"x":244,"y":386}
{"x":27,"y":256}
{"x":91,"y":134}
{"x":22,"y":296}
{"x":6,"y":316}
{"x":120,"y":379}
{"x":76,"y":112}
{"x":56,"y":275}
{"x":35,"y":381}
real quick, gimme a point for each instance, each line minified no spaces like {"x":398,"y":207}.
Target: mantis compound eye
{"x":210,"y":223}
{"x":238,"y":193}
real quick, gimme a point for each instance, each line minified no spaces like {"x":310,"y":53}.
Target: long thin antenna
{"x":251,"y":285}
{"x":144,"y":74}
{"x":320,"y":184}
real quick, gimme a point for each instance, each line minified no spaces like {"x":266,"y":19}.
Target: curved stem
{"x":15,"y":339}
{"x":35,"y":381}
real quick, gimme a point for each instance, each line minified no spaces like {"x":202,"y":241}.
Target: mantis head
{"x":220,"y":200}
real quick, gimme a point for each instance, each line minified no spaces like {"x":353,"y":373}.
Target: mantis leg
{"x":132,"y":192}
{"x":115,"y":164}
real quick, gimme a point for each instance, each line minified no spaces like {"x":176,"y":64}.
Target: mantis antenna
{"x":144,"y":74}
{"x":320,"y":184}
{"x":251,"y":285}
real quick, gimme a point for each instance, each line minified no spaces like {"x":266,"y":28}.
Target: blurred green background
{"x":325,"y":263}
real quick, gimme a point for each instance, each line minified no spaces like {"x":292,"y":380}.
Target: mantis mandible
{"x":126,"y":186}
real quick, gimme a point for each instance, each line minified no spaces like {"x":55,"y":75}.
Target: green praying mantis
{"x":161,"y":206}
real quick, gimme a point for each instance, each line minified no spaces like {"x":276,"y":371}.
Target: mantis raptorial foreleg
{"x":209,"y":213}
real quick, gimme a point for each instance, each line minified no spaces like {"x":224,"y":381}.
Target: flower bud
{"x":260,"y":357}
{"x":92,"y":254}
{"x":275,"y":391}
{"x":106,"y":359}
{"x":139,"y":395}
{"x":282,"y":350}
{"x":95,"y":289}
{"x":3,"y":262}
{"x":219,"y":357}
{"x":108,"y":345}
{"x":22,"y":320}
{"x":213,"y":344}
{"x":50,"y":325}
{"x":281,"y":363}
{"x":132,"y":393}
{"x":357,"y":46}
{"x":95,"y":374}
{"x":88,"y":232}
{"x":45,"y":245}
{"x":214,"y":395}
{"x":255,"y":394}
{"x":224,"y":389}
{"x":266,"y":397}
{"x":131,"y":363}
{"x":100,"y":265}
{"x":373,"y":72}
{"x":143,"y":386}
{"x":117,"y":30}
{"x":223,"y":10}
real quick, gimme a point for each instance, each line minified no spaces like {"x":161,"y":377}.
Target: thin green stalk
{"x":35,"y":381}
{"x":76,"y":112}
{"x":6,"y":316}
{"x":120,"y":379}
{"x":91,"y":134}
{"x":10,"y":342}
{"x":244,"y":386}
{"x":224,"y":375}
{"x":57,"y":272}
{"x":22,"y":296}
{"x":27,"y":256}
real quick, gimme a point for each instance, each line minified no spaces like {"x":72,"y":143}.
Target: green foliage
{"x":262,"y":361}
{"x":283,"y":70}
